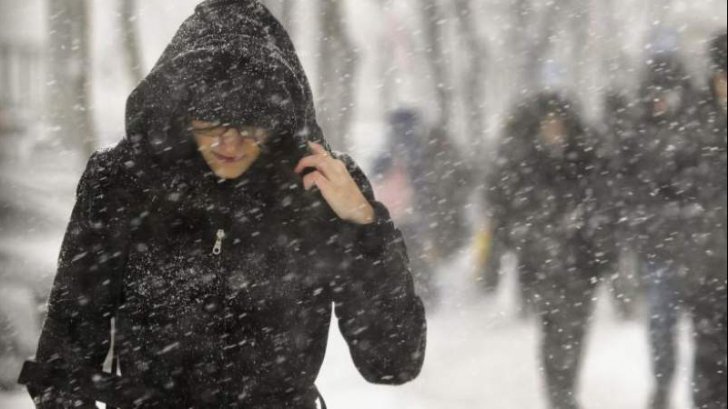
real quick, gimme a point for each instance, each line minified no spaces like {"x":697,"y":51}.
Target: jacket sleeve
{"x":379,"y":314}
{"x":76,"y":332}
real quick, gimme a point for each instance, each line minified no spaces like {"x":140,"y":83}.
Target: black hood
{"x":665,"y":71}
{"x":665,"y":74}
{"x":523,"y":129}
{"x":526,"y":118}
{"x":230,"y":61}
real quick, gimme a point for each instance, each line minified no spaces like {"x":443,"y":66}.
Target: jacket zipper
{"x":217,"y":250}
{"x":219,"y":237}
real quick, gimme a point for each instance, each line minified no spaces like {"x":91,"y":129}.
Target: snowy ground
{"x":481,"y":356}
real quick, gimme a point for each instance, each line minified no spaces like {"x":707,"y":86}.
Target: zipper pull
{"x":217,"y":250}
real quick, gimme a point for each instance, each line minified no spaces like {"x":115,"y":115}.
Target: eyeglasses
{"x":221,"y":131}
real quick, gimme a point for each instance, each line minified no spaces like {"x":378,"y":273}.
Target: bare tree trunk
{"x":518,"y":39}
{"x":130,"y":38}
{"x":474,"y":78}
{"x":337,"y":71}
{"x":434,"y":16}
{"x":388,"y":90}
{"x":530,"y":38}
{"x":615,"y":62}
{"x":68,"y":107}
{"x":541,"y":45}
{"x":655,"y":17}
{"x":532,"y":46}
{"x":579,"y":14}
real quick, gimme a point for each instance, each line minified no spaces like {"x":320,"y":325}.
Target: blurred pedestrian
{"x":434,"y":182}
{"x":544,"y":203}
{"x":446,"y":198}
{"x":707,"y":246}
{"x":672,"y":163}
{"x":657,"y":154}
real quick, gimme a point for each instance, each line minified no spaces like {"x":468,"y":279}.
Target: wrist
{"x":373,"y":238}
{"x":364,"y":215}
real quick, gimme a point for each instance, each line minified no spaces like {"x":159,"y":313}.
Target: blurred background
{"x":427,"y":96}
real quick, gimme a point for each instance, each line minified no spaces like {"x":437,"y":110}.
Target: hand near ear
{"x":336,"y":184}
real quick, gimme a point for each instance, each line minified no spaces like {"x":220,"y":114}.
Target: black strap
{"x":117,"y":288}
{"x":321,"y":400}
{"x":114,"y":356}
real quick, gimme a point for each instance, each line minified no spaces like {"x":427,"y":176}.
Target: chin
{"x":231,"y":173}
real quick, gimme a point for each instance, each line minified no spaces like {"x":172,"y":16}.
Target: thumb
{"x":317,"y":148}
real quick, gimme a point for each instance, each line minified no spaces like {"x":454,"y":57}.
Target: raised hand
{"x":336,"y":184}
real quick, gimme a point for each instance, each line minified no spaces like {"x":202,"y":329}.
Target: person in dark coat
{"x":673,"y":163}
{"x":706,"y":258}
{"x":405,"y":161}
{"x":219,"y":234}
{"x":444,"y":201}
{"x":543,"y":202}
{"x":435,"y":170}
{"x":654,"y":204}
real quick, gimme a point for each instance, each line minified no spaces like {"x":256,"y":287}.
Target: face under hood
{"x":232,"y":62}
{"x":528,"y":118}
{"x":666,"y":88}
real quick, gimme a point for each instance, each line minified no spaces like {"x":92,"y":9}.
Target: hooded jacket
{"x":667,"y":160}
{"x":531,"y":193}
{"x":222,"y":290}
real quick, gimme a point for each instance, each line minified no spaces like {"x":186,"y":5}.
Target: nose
{"x":231,"y":139}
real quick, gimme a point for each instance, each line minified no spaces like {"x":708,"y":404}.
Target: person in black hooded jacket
{"x":219,"y":233}
{"x":671,"y":209}
{"x":544,"y":203}
{"x":705,"y":255}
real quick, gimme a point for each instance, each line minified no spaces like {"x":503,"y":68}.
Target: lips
{"x":228,"y":159}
